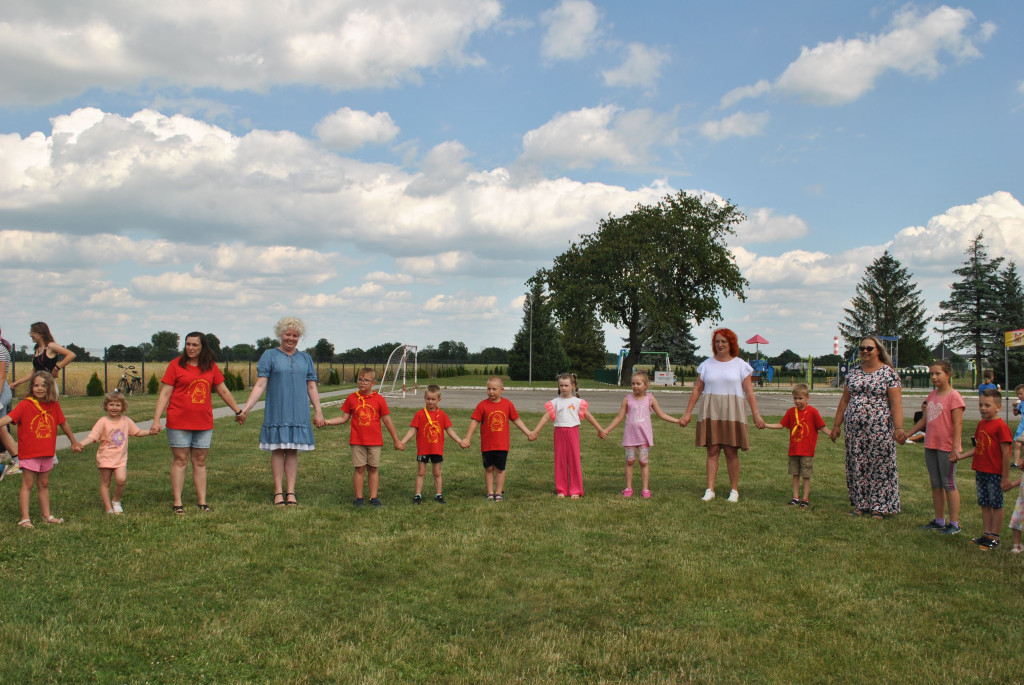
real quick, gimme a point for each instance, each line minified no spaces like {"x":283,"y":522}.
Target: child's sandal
{"x":26,"y":523}
{"x":178,"y":509}
{"x":282,"y":502}
{"x":490,"y":496}
{"x":53,"y":519}
{"x":498,"y":498}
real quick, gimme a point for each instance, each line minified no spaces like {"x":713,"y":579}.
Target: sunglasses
{"x":866,"y":348}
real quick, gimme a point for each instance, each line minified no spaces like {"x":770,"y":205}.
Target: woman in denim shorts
{"x":185,"y":392}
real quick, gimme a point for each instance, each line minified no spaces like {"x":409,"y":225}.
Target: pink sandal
{"x":628,"y":492}
{"x":646,"y":494}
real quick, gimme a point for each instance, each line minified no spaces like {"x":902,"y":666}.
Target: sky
{"x":396,"y":170}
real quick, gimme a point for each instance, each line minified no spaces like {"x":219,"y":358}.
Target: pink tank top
{"x":638,"y":429}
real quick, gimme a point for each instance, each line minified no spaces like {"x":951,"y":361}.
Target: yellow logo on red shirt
{"x":497,"y":422}
{"x":199,"y":391}
{"x":43,"y":426}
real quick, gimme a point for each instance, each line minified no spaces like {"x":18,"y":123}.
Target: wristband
{"x":238,"y":412}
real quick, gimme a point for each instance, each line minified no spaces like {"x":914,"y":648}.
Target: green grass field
{"x":533,"y":589}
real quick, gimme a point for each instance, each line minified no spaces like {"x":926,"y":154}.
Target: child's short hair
{"x":497,"y":378}
{"x":115,"y":396}
{"x":51,"y":385}
{"x":367,"y":370}
{"x":1019,"y":388}
{"x":943,"y":364}
{"x":989,"y":375}
{"x":991,"y":392}
{"x":801,"y":389}
{"x":436,"y":389}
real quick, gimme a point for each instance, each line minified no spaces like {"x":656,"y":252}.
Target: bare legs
{"x":29,"y":479}
{"x":182,"y":456}
{"x":732,"y":463}
{"x":120,"y":476}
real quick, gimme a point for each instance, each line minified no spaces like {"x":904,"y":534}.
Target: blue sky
{"x":396,"y":170}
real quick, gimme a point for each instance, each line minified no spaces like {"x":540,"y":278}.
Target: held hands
{"x":684,"y":420}
{"x":836,"y":432}
{"x":532,"y":436}
{"x":154,"y":427}
{"x":464,"y":444}
{"x":900,"y":435}
{"x":399,"y":445}
{"x":77,"y":447}
{"x":758,"y":422}
{"x":240,"y":417}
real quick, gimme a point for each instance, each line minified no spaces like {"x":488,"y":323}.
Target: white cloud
{"x":65,"y":50}
{"x":572,"y":30}
{"x":641,"y":68}
{"x":739,"y":125}
{"x":841,"y":71}
{"x":348,"y":129}
{"x":585,"y":137}
{"x":735,"y":95}
{"x":763,"y":225}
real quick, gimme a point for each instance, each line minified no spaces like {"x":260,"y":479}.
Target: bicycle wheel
{"x":122,"y":386}
{"x":136,"y":386}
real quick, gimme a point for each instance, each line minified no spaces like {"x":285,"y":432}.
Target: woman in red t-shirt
{"x":185,"y":394}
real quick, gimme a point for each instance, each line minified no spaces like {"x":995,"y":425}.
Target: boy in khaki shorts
{"x":804,"y":422}
{"x":367,"y":410}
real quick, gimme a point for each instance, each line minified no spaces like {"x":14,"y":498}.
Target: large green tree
{"x":1011,"y":298}
{"x":678,"y":342}
{"x":537,"y":350}
{"x":165,"y":346}
{"x":888,"y":302}
{"x":582,"y":340}
{"x":972,"y":316}
{"x":653,"y":270}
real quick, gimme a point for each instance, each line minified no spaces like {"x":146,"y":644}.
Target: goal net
{"x":395,"y":380}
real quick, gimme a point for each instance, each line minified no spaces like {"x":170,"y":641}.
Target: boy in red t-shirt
{"x":991,"y":464}
{"x":494,"y":415}
{"x":367,"y":410}
{"x":429,"y":426}
{"x":804,"y":422}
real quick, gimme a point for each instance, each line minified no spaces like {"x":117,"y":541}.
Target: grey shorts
{"x":197,"y":440}
{"x":941,"y":472}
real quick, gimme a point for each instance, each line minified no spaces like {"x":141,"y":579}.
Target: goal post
{"x":394,"y":382}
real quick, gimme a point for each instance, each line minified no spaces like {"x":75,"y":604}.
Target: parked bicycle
{"x":132,"y":385}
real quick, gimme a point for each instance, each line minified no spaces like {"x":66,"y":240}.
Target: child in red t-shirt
{"x":991,"y":464}
{"x":38,"y":417}
{"x":804,"y":422}
{"x":494,"y":415}
{"x":367,"y":410}
{"x":429,"y":426}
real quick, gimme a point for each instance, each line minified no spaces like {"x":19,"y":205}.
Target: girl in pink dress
{"x":112,"y":432}
{"x":638,"y":434}
{"x":567,"y":410}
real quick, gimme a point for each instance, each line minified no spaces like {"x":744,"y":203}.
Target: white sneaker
{"x":1017,"y":549}
{"x":734,"y":496}
{"x":709,"y":495}
{"x":117,"y":507}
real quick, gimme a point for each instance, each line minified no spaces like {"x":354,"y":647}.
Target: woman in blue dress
{"x":289,"y":378}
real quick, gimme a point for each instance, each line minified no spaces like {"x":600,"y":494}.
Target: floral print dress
{"x":871,"y":476}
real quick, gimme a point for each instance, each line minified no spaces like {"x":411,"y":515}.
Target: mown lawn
{"x":533,"y":589}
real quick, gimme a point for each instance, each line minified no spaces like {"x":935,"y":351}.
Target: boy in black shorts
{"x":429,"y":426}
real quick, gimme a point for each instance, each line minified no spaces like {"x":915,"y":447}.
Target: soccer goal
{"x":394,"y":381}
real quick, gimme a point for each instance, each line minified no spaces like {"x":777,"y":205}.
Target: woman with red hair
{"x":723,"y":420}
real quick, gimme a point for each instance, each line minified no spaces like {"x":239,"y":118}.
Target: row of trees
{"x":984,"y":302}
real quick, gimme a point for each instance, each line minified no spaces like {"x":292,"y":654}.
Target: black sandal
{"x":282,"y":502}
{"x":291,"y":502}
{"x":204,"y":507}
{"x":178,"y":509}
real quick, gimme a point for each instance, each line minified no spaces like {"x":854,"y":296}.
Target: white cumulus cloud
{"x":572,"y":30}
{"x":738,"y":125}
{"x":641,"y":68}
{"x":585,"y":137}
{"x":348,"y":129}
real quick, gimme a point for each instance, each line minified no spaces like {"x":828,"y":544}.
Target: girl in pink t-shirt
{"x":112,"y":432}
{"x":638,"y":434}
{"x":942,"y":423}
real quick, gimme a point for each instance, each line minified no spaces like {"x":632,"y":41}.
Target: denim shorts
{"x":197,"y":440}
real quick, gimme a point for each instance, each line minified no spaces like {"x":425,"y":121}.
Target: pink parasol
{"x":757,"y":340}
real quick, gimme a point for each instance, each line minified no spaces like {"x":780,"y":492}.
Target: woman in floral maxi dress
{"x":872,"y":408}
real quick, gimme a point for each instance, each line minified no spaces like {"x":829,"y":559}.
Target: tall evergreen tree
{"x":582,"y":340}
{"x":972,"y":316}
{"x":1011,"y":296}
{"x":539,"y":334}
{"x":678,"y":342}
{"x":887,"y":302}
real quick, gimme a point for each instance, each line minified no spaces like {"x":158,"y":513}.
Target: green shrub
{"x":153,"y":387}
{"x":332,"y":378}
{"x":239,"y":381}
{"x":95,"y":386}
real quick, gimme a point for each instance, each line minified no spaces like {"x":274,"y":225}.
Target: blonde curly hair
{"x":290,"y":323}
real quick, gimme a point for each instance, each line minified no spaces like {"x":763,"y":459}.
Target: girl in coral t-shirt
{"x":942,"y":423}
{"x":112,"y":432}
{"x":38,"y":417}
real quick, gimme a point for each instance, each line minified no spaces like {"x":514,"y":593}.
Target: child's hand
{"x":532,"y":436}
{"x":320,"y":422}
{"x":464,"y":444}
{"x":399,"y":445}
{"x":684,"y":419}
{"x":155,"y":428}
{"x":835,"y":433}
{"x":77,"y":448}
{"x":1005,"y":484}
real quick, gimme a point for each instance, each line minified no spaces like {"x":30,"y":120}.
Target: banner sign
{"x":1015,"y":338}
